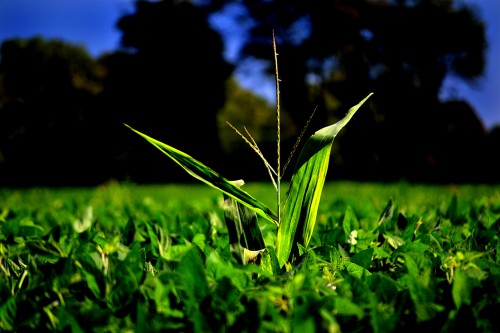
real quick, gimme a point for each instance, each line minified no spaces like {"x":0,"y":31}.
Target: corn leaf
{"x":245,"y":237}
{"x":205,"y":174}
{"x":303,"y":196}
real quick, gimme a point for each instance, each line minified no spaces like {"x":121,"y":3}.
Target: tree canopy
{"x":334,"y":52}
{"x":62,"y":112}
{"x":47,"y":98}
{"x":169,"y":78}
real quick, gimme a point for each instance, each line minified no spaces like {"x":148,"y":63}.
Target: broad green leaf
{"x":127,"y":283}
{"x":350,"y":225}
{"x":418,"y":248}
{"x":411,"y":265}
{"x":346,"y":307}
{"x":269,"y":262}
{"x":461,"y":288}
{"x":363,"y":258}
{"x":67,"y":322}
{"x":205,"y":174}
{"x":91,"y":281}
{"x":340,"y":263}
{"x":384,"y":287}
{"x":80,"y":225}
{"x":176,"y":252}
{"x":355,"y":270}
{"x":200,"y":241}
{"x":8,"y":313}
{"x":192,"y":277}
{"x":160,"y":293}
{"x":394,"y":241}
{"x":350,"y":222}
{"x":303,"y":196}
{"x":421,"y":292}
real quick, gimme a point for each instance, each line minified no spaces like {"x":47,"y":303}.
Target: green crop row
{"x":382,"y":258}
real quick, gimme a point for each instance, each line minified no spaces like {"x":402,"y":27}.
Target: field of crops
{"x":123,"y":258}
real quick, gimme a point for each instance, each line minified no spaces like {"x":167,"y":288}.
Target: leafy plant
{"x":295,"y":224}
{"x":382,"y":258}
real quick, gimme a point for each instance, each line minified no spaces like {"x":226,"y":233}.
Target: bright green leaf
{"x":350,"y":222}
{"x":203,"y":173}
{"x":303,"y":197}
{"x":461,"y":289}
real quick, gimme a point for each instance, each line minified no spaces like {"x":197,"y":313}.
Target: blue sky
{"x":92,"y":23}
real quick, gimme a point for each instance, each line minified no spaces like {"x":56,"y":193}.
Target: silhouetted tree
{"x":169,"y":82}
{"x":333,"y":53}
{"x":46,"y":113}
{"x":460,"y":149}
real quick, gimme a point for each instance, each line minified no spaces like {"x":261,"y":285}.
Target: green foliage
{"x":245,"y":237}
{"x":302,"y":199}
{"x":211,"y":178}
{"x":304,"y":194}
{"x":149,"y":260}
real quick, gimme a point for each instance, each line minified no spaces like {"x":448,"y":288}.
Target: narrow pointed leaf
{"x":303,"y":196}
{"x":205,"y":174}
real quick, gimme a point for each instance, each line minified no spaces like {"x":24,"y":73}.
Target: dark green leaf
{"x":363,"y":258}
{"x":244,"y":231}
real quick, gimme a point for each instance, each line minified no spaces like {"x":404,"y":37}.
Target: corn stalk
{"x":296,"y":224}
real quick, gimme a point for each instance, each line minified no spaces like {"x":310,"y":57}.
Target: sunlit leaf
{"x":350,"y":222}
{"x":83,"y":224}
{"x":461,"y":288}
{"x":394,"y":241}
{"x":303,"y":197}
{"x":269,"y":261}
{"x":205,"y":174}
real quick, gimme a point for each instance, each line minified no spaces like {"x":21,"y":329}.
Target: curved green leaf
{"x":201,"y":172}
{"x":245,"y":236}
{"x":303,"y":196}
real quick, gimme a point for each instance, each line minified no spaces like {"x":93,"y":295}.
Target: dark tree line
{"x":168,"y":82}
{"x":402,"y":51}
{"x":62,"y":112}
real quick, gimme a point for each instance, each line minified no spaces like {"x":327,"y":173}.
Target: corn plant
{"x":295,"y":222}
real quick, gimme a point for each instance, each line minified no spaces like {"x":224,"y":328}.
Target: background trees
{"x":333,"y":54}
{"x":47,"y":113}
{"x":169,"y":82}
{"x":61,"y":112}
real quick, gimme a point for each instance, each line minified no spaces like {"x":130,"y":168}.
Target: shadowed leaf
{"x":245,"y":236}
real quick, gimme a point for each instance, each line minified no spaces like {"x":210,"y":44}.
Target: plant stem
{"x":278,"y":123}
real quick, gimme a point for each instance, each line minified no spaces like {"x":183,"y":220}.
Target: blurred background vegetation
{"x":62,"y":111}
